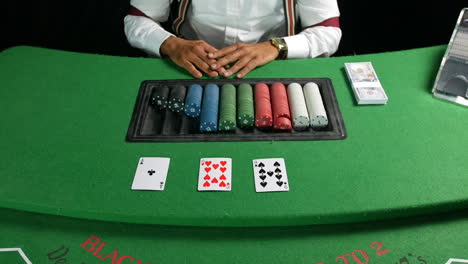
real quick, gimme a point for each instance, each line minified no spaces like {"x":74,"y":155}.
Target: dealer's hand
{"x":191,"y":55}
{"x":246,"y":57}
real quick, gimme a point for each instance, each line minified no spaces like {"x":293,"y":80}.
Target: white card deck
{"x":151,"y":174}
{"x":215,"y":174}
{"x":270,"y":175}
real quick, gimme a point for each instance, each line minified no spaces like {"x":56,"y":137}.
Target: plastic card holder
{"x":452,"y":79}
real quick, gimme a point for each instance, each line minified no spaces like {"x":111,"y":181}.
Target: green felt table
{"x":394,"y":191}
{"x":63,"y":148}
{"x":48,"y":239}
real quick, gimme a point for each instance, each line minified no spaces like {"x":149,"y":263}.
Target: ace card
{"x":151,"y":174}
{"x":215,"y":174}
{"x":270,"y":175}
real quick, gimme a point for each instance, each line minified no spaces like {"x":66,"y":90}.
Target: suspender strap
{"x":183,"y":6}
{"x":290,"y":16}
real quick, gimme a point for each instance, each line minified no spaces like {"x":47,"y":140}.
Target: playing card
{"x":151,"y":174}
{"x":215,"y":174}
{"x":270,"y":175}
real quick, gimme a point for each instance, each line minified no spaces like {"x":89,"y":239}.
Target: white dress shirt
{"x":225,"y":22}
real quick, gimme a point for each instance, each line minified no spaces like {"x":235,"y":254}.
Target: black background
{"x":96,"y":26}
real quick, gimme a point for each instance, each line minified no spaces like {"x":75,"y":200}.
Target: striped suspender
{"x":290,"y":16}
{"x":182,"y":12}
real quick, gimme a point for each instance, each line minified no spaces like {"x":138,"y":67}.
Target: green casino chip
{"x":245,"y":106}
{"x":227,"y":126}
{"x":227,"y":112}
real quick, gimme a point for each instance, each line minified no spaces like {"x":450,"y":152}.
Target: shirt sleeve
{"x":321,"y":35}
{"x":142,"y":27}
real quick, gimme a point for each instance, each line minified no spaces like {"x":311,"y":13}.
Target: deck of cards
{"x":214,"y":174}
{"x":365,"y":83}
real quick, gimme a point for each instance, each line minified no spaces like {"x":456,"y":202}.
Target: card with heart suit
{"x":270,"y":175}
{"x":151,"y":174}
{"x":215,"y":174}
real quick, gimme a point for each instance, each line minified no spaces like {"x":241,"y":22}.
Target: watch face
{"x":279,"y":42}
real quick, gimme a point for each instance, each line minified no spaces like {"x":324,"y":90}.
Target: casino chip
{"x":245,"y":106}
{"x":282,"y":123}
{"x":298,"y":106}
{"x":279,"y":101}
{"x":227,"y":113}
{"x":280,"y":107}
{"x":263,"y":113}
{"x":318,"y":115}
{"x":209,"y":112}
{"x":159,"y":96}
{"x":193,"y":100}
{"x":176,"y":98}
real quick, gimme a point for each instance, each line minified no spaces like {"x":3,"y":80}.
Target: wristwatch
{"x":282,"y":47}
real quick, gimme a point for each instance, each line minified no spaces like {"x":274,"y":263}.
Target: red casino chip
{"x":279,"y":101}
{"x":263,"y":112}
{"x":263,"y":121}
{"x":282,"y":123}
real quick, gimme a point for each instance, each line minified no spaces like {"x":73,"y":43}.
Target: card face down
{"x":151,"y":174}
{"x":270,"y":175}
{"x":215,"y":174}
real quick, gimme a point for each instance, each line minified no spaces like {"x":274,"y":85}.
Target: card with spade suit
{"x":270,"y":175}
{"x":215,"y":174}
{"x":151,"y":174}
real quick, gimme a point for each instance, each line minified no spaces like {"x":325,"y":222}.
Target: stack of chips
{"x":227,"y":112}
{"x":263,"y":114}
{"x":177,"y":98}
{"x":317,"y":114}
{"x":297,"y":102}
{"x":280,"y":107}
{"x":193,"y":100}
{"x":159,"y":96}
{"x":209,"y":112}
{"x":226,"y":108}
{"x":245,"y":107}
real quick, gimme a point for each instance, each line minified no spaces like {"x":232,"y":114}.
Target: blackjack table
{"x":392,"y":188}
